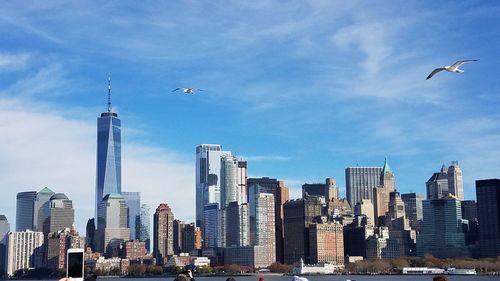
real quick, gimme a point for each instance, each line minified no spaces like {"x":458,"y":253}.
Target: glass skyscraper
{"x":109,"y":164}
{"x":134,"y":213}
{"x":25,"y":210}
{"x":145,"y":226}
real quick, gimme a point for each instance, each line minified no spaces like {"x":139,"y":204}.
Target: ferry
{"x":459,"y":271}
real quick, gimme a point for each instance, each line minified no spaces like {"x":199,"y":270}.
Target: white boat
{"x":460,"y":271}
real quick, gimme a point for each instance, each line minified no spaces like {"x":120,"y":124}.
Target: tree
{"x":206,"y":269}
{"x":233,"y":268}
{"x":136,"y":270}
{"x":280,"y":268}
{"x":399,"y":263}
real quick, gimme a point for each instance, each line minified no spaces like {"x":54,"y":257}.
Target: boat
{"x":460,"y":271}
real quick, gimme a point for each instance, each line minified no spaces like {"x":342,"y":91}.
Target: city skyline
{"x":317,"y":107}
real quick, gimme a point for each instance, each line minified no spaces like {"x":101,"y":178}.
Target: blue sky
{"x":302,"y":89}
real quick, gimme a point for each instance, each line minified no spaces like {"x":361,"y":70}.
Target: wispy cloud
{"x":12,"y":62}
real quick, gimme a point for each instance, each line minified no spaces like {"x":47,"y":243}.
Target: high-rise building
{"x":441,"y":233}
{"x":109,"y":161}
{"x":328,"y":189}
{"x":413,"y":208}
{"x":61,"y":214}
{"x":381,"y":192}
{"x":112,"y":224}
{"x":212,"y":225}
{"x":233,"y":173}
{"x":488,"y":211}
{"x":135,"y":250}
{"x":25,"y":210}
{"x":399,"y":226}
{"x":207,"y":178}
{"x":90,"y":234}
{"x":455,"y":181}
{"x":355,"y":235}
{"x":41,"y":208}
{"x":163,"y":233}
{"x":298,"y":215}
{"x":469,"y":213}
{"x":145,"y":227}
{"x":189,"y":237}
{"x":365,"y":208}
{"x":4,"y":235}
{"x":360,"y":182}
{"x":326,"y":243}
{"x":134,"y":213}
{"x":437,"y":185}
{"x":178,"y":236}
{"x":24,"y":250}
{"x":57,"y":245}
{"x":237,"y":227}
{"x":280,"y":192}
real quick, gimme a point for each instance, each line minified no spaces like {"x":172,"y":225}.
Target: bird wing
{"x":434,"y":72}
{"x":460,"y":62}
{"x":176,"y":89}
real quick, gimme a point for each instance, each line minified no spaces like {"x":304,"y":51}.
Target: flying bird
{"x":451,"y":68}
{"x":187,"y":90}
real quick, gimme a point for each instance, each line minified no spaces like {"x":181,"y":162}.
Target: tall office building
{"x":134,"y":213}
{"x":298,"y":215}
{"x":90,"y":234}
{"x":237,"y":227}
{"x":190,"y":235}
{"x":413,"y":208}
{"x":441,"y":232}
{"x":25,"y":205}
{"x":4,"y":235}
{"x":208,"y":181}
{"x":61,"y":214}
{"x":280,"y":192}
{"x":381,"y":192}
{"x":41,"y":208}
{"x":360,"y":182}
{"x":145,"y":227}
{"x":212,"y":225}
{"x":469,"y":213}
{"x":455,"y":181}
{"x":448,"y":181}
{"x":163,"y":233}
{"x":109,"y":159}
{"x":488,"y":211}
{"x":24,"y":250}
{"x":112,"y":224}
{"x":365,"y":208}
{"x":178,"y":233}
{"x":233,"y":174}
{"x":328,"y":189}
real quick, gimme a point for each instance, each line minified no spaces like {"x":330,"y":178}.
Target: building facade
{"x":25,"y":204}
{"x":163,"y":233}
{"x":112,"y":230}
{"x":41,"y":208}
{"x":455,"y":181}
{"x":4,"y":236}
{"x":326,"y":243}
{"x":24,"y":250}
{"x":488,"y":211}
{"x":145,"y":227}
{"x":360,"y":182}
{"x":133,"y":200}
{"x":413,"y":208}
{"x":61,"y":214}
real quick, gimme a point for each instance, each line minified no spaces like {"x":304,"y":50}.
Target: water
{"x":333,"y":278}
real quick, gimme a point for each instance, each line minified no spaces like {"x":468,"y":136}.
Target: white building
{"x":24,"y":250}
{"x":321,"y":268}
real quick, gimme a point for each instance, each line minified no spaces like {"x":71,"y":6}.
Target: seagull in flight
{"x":187,"y":90}
{"x":451,"y":68}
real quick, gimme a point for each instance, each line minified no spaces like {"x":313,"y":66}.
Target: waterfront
{"x":334,"y":278}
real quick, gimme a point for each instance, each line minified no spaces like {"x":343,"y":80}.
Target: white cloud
{"x":12,"y":62}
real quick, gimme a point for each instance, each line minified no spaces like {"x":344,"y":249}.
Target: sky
{"x":300,"y":89}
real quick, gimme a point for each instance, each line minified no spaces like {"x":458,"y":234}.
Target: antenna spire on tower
{"x":109,"y":92}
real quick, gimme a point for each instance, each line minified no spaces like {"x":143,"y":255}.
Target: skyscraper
{"x":163,"y":233}
{"x":365,"y":208}
{"x":41,"y":208}
{"x":237,"y":227}
{"x":328,"y":189}
{"x":212,"y":225}
{"x":4,"y":231}
{"x":455,"y":181}
{"x":381,"y":192}
{"x":134,"y":213}
{"x":413,"y":208}
{"x":298,"y":215}
{"x":326,"y":243}
{"x":109,"y":163}
{"x":178,"y":235}
{"x":360,"y":182}
{"x":208,"y":180}
{"x":61,"y":214}
{"x":25,"y":210}
{"x":112,"y":223}
{"x":441,"y":232}
{"x":145,"y":227}
{"x":280,"y":193}
{"x":437,"y":185}
{"x":488,"y":210}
